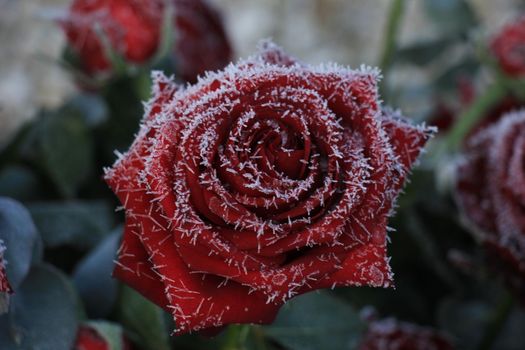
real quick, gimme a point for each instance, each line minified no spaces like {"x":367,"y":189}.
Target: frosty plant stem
{"x":393,"y":24}
{"x":473,"y":114}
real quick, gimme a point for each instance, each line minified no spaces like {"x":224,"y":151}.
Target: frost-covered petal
{"x":490,"y":191}
{"x":260,"y":182}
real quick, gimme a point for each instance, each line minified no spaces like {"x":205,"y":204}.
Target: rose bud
{"x":89,"y":338}
{"x":508,"y":47}
{"x":132,"y":29}
{"x":490,"y":189}
{"x":201,"y":41}
{"x":5,"y":286}
{"x":260,"y":182}
{"x":390,"y":334}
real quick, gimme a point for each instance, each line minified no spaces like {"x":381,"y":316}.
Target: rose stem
{"x":472,"y":115}
{"x":236,"y":337}
{"x":393,"y":24}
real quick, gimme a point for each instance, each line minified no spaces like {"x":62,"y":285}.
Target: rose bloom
{"x":88,"y":338}
{"x":491,"y":193}
{"x":508,"y":46}
{"x":133,"y":29}
{"x":390,"y":334}
{"x":261,"y":182}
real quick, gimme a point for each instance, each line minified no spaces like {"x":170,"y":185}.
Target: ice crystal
{"x":260,"y":182}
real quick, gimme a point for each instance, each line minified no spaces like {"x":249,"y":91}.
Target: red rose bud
{"x":5,"y":286}
{"x":89,"y":338}
{"x":390,"y":334}
{"x":130,"y":27}
{"x":201,"y":41}
{"x":508,"y":46}
{"x":491,"y":193}
{"x":260,"y":182}
{"x":133,"y":30}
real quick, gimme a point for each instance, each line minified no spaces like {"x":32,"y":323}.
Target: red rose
{"x":131,"y":27}
{"x":509,"y":48}
{"x":88,"y":338}
{"x":133,"y":30}
{"x":259,"y":183}
{"x":491,"y":192}
{"x":390,"y":334}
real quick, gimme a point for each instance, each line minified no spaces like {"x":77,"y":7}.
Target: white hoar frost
{"x":271,"y":174}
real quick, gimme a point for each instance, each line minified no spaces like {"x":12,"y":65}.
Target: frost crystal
{"x":260,"y":182}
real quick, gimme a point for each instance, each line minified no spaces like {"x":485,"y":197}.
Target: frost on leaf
{"x":491,"y":193}
{"x":258,"y":183}
{"x":5,"y":287}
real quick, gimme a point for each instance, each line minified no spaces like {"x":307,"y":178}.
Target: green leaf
{"x":43,"y":313}
{"x":60,"y":144}
{"x":19,"y":182}
{"x":317,"y":321}
{"x":126,"y":110}
{"x":81,"y":224}
{"x":144,"y":319}
{"x":93,"y":280}
{"x":451,"y":17}
{"x":20,"y":237}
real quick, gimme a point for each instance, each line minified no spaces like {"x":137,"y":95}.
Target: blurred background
{"x":347,"y":32}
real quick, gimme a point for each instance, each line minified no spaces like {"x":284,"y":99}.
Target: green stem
{"x":393,"y":25}
{"x":496,"y":322}
{"x":236,"y":337}
{"x":472,"y":115}
{"x":258,"y":336}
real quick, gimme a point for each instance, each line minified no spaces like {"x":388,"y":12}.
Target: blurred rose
{"x":133,"y":30}
{"x":491,"y":192}
{"x":508,"y":46}
{"x":390,"y":334}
